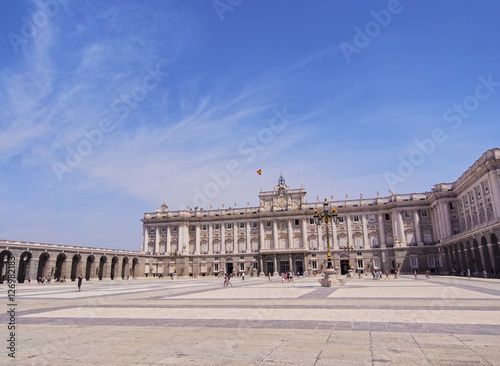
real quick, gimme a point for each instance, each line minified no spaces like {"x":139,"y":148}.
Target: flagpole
{"x":261,"y":181}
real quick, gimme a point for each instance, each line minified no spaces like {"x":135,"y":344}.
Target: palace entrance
{"x":229,"y":268}
{"x":270,"y":268}
{"x":284,"y":267}
{"x":344,"y":266}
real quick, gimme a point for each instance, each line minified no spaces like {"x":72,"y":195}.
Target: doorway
{"x":344,"y":266}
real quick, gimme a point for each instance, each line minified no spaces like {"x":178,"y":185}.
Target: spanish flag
{"x":259,"y":172}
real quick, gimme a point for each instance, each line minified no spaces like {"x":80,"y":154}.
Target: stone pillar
{"x":235,"y":238}
{"x":335,"y":241}
{"x":305,"y":243}
{"x":447,"y":219}
{"x":183,"y":237}
{"x":401,"y":229}
{"x":418,"y":229}
{"x":197,"y":239}
{"x":275,"y":235}
{"x":261,"y":273}
{"x":365,"y":232}
{"x":145,"y":236}
{"x":290,"y":233}
{"x":381,"y":230}
{"x":168,"y":247}
{"x":157,"y":239}
{"x":290,"y":263}
{"x":223,"y":240}
{"x":249,"y":243}
{"x":275,"y":266}
{"x":435,"y":225}
{"x":262,"y":237}
{"x":210,"y":238}
{"x":350,"y":242}
{"x":320,"y":237}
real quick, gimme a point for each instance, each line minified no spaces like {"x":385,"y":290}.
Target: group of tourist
{"x":468,"y":273}
{"x":43,"y":280}
{"x":287,"y":277}
{"x":227,"y":280}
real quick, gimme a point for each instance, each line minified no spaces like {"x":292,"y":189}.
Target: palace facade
{"x":454,"y":227}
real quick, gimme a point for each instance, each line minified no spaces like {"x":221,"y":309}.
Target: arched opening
{"x":102,"y":262}
{"x":488,"y":266}
{"x":74,"y":266}
{"x":496,"y":253}
{"x":114,"y":261}
{"x":4,"y":258}
{"x":135,"y":262}
{"x":88,"y":268}
{"x":24,"y":266}
{"x":61,"y":258}
{"x":477,"y":256}
{"x":124,"y":268}
{"x":42,"y":265}
{"x":470,"y":258}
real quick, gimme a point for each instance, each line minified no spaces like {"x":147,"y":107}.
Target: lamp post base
{"x":330,"y":278}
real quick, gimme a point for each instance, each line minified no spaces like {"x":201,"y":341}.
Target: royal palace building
{"x":453,"y":228}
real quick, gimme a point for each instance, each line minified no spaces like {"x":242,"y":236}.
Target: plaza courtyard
{"x":197,"y":321}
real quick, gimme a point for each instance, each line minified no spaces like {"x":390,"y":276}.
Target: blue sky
{"x":109,"y":108}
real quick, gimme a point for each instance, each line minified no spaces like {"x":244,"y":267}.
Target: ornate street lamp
{"x":326,"y":216}
{"x":348,"y":248}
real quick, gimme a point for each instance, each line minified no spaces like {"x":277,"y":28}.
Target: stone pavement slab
{"x":441,"y":321}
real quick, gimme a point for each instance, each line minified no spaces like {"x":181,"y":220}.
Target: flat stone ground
{"x":405,"y":321}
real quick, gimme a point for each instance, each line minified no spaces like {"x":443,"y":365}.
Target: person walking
{"x":485,"y":274}
{"x":468,"y":273}
{"x":80,"y":280}
{"x":387,"y":274}
{"x":29,"y":280}
{"x":427,"y":276}
{"x":395,"y":274}
{"x":415,"y":273}
{"x":243,"y":276}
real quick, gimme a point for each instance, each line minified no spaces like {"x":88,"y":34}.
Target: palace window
{"x":424,"y":213}
{"x":254,"y":224}
{"x":268,"y":223}
{"x":216,"y":267}
{"x":314,"y":265}
{"x":355,"y":218}
{"x":216,"y":226}
{"x":255,"y":265}
{"x":414,"y":262}
{"x":242,"y":266}
{"x":163,"y":229}
{"x":341,"y":219}
{"x":432,"y":262}
{"x":152,"y":230}
{"x":360,"y":263}
{"x":376,"y":264}
{"x":387,"y":217}
{"x":191,"y":228}
{"x":242,"y":225}
{"x":297,"y":222}
{"x":371,"y":218}
{"x":452,"y":205}
{"x":204,"y":227}
{"x":311,"y":221}
{"x":229,"y":226}
{"x":407,"y":214}
{"x":175,"y":228}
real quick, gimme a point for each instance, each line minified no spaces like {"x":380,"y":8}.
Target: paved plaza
{"x":437,"y":321}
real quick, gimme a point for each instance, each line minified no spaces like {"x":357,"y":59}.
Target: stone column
{"x":210,"y":238}
{"x":335,"y":240}
{"x":145,"y":237}
{"x":381,"y":230}
{"x":197,"y":239}
{"x":320,"y":237}
{"x":168,"y":247}
{"x":401,"y":229}
{"x":365,"y":232}
{"x":261,"y":273}
{"x":305,"y":243}
{"x":275,"y":266}
{"x":223,"y":240}
{"x":275,"y":235}
{"x":435,"y":225}
{"x":249,"y":243}
{"x":418,"y":229}
{"x":235,"y":238}
{"x":290,"y":233}
{"x":290,"y":264}
{"x":157,"y":239}
{"x":262,"y":237}
{"x":447,"y":219}
{"x":350,"y":242}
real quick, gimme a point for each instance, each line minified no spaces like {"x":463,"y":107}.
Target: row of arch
{"x":474,"y":255}
{"x":92,"y":266}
